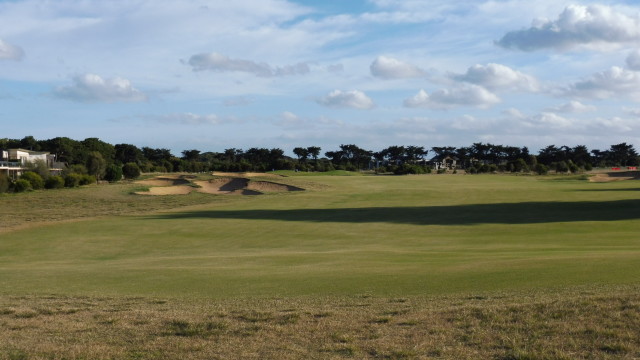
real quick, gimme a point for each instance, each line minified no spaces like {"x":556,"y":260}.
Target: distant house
{"x":447,"y":163}
{"x":14,"y":162}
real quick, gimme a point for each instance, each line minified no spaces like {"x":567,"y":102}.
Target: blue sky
{"x":210,"y":75}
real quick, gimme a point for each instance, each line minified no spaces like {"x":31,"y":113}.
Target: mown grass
{"x":437,"y":266}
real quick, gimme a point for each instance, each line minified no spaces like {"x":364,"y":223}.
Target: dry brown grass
{"x":575,"y":324}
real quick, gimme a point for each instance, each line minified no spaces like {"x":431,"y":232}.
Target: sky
{"x":212,"y":75}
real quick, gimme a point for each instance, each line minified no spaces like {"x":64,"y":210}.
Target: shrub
{"x":54,"y":182}
{"x":22,"y":185}
{"x":113,"y":173}
{"x":409,"y":169}
{"x":39,"y":167}
{"x":561,"y":167}
{"x":131,"y":170}
{"x":72,"y":180}
{"x":442,"y":171}
{"x":5,"y":183}
{"x":588,"y":167}
{"x":77,"y":169}
{"x":34,"y":179}
{"x":573,"y":167}
{"x":541,"y":169}
{"x":87,"y":179}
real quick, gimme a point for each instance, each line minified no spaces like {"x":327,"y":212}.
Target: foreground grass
{"x":601,"y":323}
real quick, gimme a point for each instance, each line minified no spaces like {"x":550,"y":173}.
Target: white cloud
{"x":389,"y":68}
{"x":633,"y":60}
{"x":606,"y":84}
{"x":498,"y":77}
{"x":513,"y":113}
{"x":347,"y":99}
{"x":335,"y":68}
{"x":547,"y":119}
{"x":572,"y":107}
{"x":632,"y":111}
{"x":222,"y":63}
{"x":237,"y":101}
{"x":594,"y":26}
{"x":289,"y":118}
{"x":93,"y":88}
{"x":471,"y":95}
{"x":186,"y":119}
{"x":10,"y":52}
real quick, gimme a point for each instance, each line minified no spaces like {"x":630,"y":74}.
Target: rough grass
{"x":571,"y":324}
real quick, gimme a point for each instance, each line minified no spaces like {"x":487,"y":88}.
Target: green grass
{"x":381,"y":267}
{"x":380,"y":235}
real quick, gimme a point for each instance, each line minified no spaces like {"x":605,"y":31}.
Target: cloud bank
{"x":593,"y":26}
{"x":615,"y":82}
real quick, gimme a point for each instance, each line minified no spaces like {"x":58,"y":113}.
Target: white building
{"x":14,"y":162}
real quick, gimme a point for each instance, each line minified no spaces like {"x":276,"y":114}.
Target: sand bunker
{"x":168,"y":190}
{"x":224,"y":185}
{"x":164,"y":181}
{"x":268,"y":186}
{"x":245,"y":174}
{"x":615,"y":176}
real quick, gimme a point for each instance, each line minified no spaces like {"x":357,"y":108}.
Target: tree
{"x":415,"y":153}
{"x":66,"y":150}
{"x":156,"y":155}
{"x":105,"y":149}
{"x":131,"y":170}
{"x":126,"y":153}
{"x":96,"y":165}
{"x":191,"y":155}
{"x":29,"y":143}
{"x":301,"y":153}
{"x":314,"y":152}
{"x":623,"y":155}
{"x":113,"y":173}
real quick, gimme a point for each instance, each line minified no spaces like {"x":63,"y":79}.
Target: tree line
{"x":92,"y":159}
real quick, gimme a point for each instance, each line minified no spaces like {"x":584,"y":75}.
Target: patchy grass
{"x":581,"y":323}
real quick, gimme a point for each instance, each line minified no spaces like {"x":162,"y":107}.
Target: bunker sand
{"x":218,"y":186}
{"x":615,"y":176}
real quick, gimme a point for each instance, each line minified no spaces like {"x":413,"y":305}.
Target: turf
{"x":378,"y":235}
{"x":380,"y":267}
